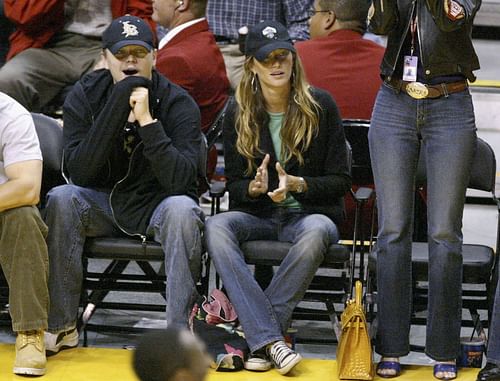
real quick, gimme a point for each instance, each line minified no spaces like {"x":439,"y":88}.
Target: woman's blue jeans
{"x":445,"y":127}
{"x":266,"y":314}
{"x":74,"y":213}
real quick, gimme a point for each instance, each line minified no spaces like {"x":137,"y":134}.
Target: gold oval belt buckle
{"x":417,"y":90}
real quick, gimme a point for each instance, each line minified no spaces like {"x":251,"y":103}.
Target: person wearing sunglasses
{"x":131,"y":148}
{"x":339,"y":59}
{"x":286,"y":164}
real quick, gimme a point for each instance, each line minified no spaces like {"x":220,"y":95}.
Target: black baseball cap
{"x":127,"y":30}
{"x":265,"y":37}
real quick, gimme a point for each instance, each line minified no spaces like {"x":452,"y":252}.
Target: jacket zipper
{"x":403,"y":39}
{"x":142,"y":236}
{"x":419,"y":36}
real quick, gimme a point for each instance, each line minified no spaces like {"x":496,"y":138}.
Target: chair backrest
{"x":215,"y":130}
{"x":356,"y":132}
{"x":50,"y":135}
{"x":483,"y":171}
{"x":203,"y":183}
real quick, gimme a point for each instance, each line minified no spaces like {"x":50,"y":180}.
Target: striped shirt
{"x":225,"y":17}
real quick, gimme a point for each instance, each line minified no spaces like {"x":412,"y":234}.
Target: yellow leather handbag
{"x":354,"y":352}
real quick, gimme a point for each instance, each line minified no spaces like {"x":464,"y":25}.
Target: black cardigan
{"x":325,"y":167}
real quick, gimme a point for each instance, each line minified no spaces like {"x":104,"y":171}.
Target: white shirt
{"x":18,"y":138}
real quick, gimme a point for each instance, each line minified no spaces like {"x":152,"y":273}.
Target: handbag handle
{"x":359,"y":293}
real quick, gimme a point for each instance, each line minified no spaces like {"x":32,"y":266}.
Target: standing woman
{"x":286,"y":165}
{"x":424,"y":101}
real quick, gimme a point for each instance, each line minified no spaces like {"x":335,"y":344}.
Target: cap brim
{"x":120,"y":44}
{"x":263,"y":52}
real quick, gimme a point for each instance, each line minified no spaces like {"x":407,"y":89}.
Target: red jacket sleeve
{"x":36,"y":22}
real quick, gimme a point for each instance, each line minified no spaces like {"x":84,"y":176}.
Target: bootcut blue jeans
{"x":445,"y":127}
{"x":74,"y":213}
{"x":266,"y":314}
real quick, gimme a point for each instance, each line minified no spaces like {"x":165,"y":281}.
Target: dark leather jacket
{"x":445,"y":45}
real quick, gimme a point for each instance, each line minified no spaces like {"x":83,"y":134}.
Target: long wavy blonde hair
{"x":300,"y":123}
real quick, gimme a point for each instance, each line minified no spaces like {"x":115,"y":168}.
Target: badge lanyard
{"x":411,"y":62}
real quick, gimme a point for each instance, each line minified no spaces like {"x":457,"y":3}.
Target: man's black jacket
{"x":163,"y":163}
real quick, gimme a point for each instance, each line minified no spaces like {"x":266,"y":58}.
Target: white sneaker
{"x":283,"y":358}
{"x":258,"y":362}
{"x":54,"y":342}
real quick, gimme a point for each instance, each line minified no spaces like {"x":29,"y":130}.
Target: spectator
{"x":226,"y":17}
{"x":189,"y":57}
{"x":338,"y":58}
{"x":55,"y":42}
{"x":431,"y":108}
{"x":23,"y":251}
{"x":170,"y":355}
{"x":5,"y":30}
{"x":491,"y":371}
{"x":131,"y":142}
{"x":287,"y":171}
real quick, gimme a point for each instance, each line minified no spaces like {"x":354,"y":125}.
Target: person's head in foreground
{"x":170,"y":355}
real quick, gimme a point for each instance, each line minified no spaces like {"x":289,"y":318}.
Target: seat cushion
{"x":477,"y":262}
{"x":123,"y":249}
{"x":273,"y":252}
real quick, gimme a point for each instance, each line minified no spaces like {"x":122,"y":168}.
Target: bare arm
{"x":23,"y":186}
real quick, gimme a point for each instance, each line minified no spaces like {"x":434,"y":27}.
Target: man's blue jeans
{"x":74,"y":213}
{"x":266,"y":314}
{"x":446,"y":128}
{"x":494,"y":330}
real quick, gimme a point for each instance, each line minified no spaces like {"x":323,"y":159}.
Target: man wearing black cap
{"x":131,"y":147}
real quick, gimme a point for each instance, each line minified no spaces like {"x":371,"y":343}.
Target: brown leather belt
{"x":420,"y":90}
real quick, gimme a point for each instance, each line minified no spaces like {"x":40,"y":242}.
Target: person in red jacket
{"x":338,"y":58}
{"x":188,"y":55}
{"x":55,"y":43}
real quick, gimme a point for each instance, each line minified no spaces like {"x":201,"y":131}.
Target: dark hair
{"x":160,"y":354}
{"x":347,"y":10}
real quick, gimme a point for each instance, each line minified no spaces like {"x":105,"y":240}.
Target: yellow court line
{"x":485,"y":83}
{"x":104,"y":364}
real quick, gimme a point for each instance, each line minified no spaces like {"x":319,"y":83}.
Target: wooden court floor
{"x":99,"y":364}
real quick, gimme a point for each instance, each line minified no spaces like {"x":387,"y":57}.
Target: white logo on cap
{"x":129,"y":30}
{"x":269,"y":32}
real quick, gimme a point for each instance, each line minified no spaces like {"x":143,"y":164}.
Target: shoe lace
{"x":31,"y":337}
{"x":279,"y":351}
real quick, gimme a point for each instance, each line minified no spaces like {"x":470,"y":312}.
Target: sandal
{"x":445,"y":368}
{"x":389,"y":365}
